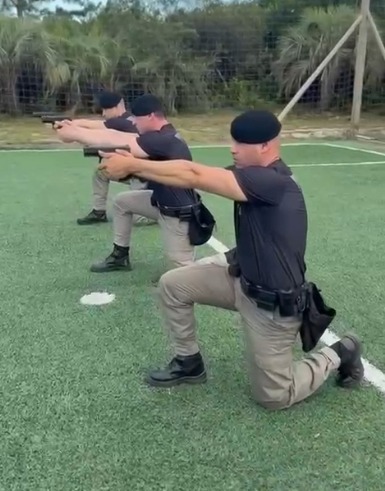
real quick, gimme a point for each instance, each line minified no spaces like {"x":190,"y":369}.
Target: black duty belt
{"x":287,"y":302}
{"x":184,"y":213}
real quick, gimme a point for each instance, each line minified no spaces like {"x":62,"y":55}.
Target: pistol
{"x":39,"y":114}
{"x":93,"y":151}
{"x":53,"y":118}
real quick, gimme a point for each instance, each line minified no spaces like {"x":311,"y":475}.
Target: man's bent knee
{"x":121,"y":202}
{"x":273,"y":400}
{"x":100,"y":176}
{"x":167,"y":281}
{"x":171,"y":282}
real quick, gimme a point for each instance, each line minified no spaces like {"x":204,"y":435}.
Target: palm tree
{"x":23,"y":45}
{"x":167,"y":66}
{"x":304,"y":46}
{"x":117,"y":51}
{"x":83,"y":56}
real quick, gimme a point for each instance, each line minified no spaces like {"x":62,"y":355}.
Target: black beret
{"x":108,"y":100}
{"x":146,"y":105}
{"x":255,"y":127}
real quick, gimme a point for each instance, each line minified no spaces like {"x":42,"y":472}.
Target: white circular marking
{"x":97,"y":298}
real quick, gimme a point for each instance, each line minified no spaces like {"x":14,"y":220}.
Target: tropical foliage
{"x":195,"y":55}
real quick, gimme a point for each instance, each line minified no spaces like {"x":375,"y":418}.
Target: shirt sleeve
{"x":121,"y":124}
{"x":155,"y":144}
{"x":261,"y":184}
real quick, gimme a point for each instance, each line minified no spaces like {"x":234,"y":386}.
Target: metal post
{"x":377,"y":35}
{"x":321,"y":67}
{"x":359,"y":71}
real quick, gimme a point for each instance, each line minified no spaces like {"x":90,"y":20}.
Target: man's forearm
{"x":103,"y":138}
{"x":179,"y":173}
{"x":91,"y":124}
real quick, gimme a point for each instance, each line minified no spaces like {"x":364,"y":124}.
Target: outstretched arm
{"x":179,"y":173}
{"x":253,"y":184}
{"x":91,"y":124}
{"x":85,"y":136}
{"x":100,"y":137}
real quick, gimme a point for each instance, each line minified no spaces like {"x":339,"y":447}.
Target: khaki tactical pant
{"x":177,"y":246}
{"x":277,"y":381}
{"x":100,"y":186}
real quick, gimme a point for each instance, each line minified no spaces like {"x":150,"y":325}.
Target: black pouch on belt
{"x":231,"y":258}
{"x":201,"y":225}
{"x":317,"y":317}
{"x":287,"y":303}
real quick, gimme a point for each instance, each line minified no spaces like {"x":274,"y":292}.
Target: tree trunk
{"x":11,"y":102}
{"x":327,"y":88}
{"x":20,"y":4}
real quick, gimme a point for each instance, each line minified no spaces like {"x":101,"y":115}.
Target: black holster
{"x":317,"y":316}
{"x":201,"y":225}
{"x":201,"y":222}
{"x":231,"y":258}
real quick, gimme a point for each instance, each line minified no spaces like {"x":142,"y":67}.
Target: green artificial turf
{"x":74,"y":411}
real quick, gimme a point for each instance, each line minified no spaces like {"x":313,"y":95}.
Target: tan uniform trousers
{"x":176,"y":242}
{"x":100,"y":187}
{"x":277,"y":381}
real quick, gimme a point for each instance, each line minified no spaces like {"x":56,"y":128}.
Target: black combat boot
{"x":118,"y":260}
{"x":96,"y":216}
{"x":351,"y":370}
{"x":181,"y":370}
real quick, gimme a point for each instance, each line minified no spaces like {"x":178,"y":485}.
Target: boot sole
{"x":358,"y":376}
{"x":350,"y":382}
{"x":200,"y":379}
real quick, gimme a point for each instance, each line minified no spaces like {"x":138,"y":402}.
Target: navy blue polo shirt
{"x":270,"y":227}
{"x":166,"y":144}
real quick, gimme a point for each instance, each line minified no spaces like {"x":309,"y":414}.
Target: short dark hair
{"x":147,"y":104}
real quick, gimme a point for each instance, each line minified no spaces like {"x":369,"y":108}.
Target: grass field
{"x":74,"y":411}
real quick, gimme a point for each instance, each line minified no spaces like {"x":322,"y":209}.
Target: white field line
{"x":372,"y":374}
{"x":354,"y":149}
{"x":340,"y":164}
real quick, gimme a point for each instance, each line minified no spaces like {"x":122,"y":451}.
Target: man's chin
{"x":237,"y":164}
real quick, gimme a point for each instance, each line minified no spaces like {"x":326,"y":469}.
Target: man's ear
{"x":265,"y":147}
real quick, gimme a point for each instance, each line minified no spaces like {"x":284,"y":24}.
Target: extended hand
{"x":64,"y":122}
{"x":67,"y":132}
{"x":118,"y":165}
